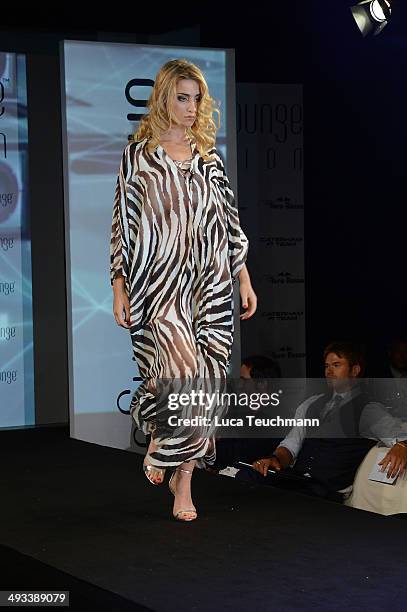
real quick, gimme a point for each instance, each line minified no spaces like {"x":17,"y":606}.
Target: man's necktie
{"x":331,"y":406}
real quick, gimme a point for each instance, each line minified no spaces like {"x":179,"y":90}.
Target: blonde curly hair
{"x":160,"y":116}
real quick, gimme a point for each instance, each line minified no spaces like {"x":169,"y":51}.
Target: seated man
{"x":390,"y":387}
{"x":326,"y":465}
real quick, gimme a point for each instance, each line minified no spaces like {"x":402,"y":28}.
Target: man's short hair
{"x":262,"y":367}
{"x":353,"y":352}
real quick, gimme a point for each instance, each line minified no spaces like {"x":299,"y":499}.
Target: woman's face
{"x":186,"y":101}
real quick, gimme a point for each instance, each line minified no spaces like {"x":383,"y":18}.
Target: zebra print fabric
{"x":177,"y":240}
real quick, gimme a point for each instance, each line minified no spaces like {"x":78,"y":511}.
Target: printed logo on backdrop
{"x":6,"y":243}
{"x":281,"y":241}
{"x":139,"y":103}
{"x":9,"y":188}
{"x":3,"y":137}
{"x":3,"y":66}
{"x":270,"y":146}
{"x":2,"y":96}
{"x":139,"y":438}
{"x":281,"y":203}
{"x":8,"y":191}
{"x":287,"y":352}
{"x":126,"y":392}
{"x":272,"y":160}
{"x":8,"y":376}
{"x":281,"y":124}
{"x":284,"y":278}
{"x":16,"y":343}
{"x":7,"y":333}
{"x":283,"y":315}
{"x":7,"y":288}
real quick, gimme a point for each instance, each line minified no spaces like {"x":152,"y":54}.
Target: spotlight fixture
{"x":371,"y":16}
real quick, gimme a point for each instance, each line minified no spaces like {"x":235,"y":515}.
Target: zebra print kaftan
{"x":177,"y":240}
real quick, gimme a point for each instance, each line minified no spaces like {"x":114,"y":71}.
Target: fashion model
{"x":176,"y":249}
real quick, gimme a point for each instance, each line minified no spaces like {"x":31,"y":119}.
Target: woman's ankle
{"x":188,"y":466}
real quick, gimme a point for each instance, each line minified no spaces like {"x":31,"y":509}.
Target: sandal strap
{"x":153,"y":468}
{"x":186,"y":512}
{"x":185,"y":471}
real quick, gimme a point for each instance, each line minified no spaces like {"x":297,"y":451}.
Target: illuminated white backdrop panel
{"x":16,"y":324}
{"x":104,"y":90}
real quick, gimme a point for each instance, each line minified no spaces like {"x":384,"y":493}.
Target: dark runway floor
{"x":85,"y":516}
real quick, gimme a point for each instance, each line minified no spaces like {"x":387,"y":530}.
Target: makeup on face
{"x":186,"y":101}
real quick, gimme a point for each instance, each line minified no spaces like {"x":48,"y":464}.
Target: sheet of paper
{"x":376,"y":473}
{"x":229,"y":471}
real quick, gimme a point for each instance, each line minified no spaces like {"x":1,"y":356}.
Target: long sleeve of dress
{"x":238,"y":242}
{"x":119,"y":251}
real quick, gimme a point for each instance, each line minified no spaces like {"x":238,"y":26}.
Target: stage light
{"x":371,"y":16}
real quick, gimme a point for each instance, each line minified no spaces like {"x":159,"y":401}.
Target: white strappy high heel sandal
{"x":182,"y":514}
{"x":152,"y":471}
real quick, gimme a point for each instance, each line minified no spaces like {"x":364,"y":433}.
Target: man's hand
{"x":394,"y":460}
{"x":268,"y":463}
{"x":281,"y":459}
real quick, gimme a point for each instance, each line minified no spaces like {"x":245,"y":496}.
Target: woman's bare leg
{"x":182,"y":486}
{"x":156,"y":475}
